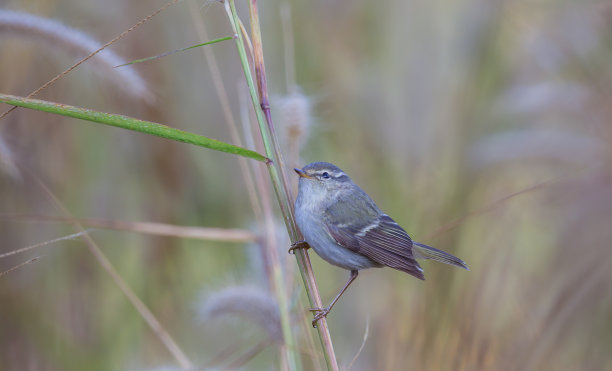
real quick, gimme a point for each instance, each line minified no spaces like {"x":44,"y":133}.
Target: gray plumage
{"x":346,"y":228}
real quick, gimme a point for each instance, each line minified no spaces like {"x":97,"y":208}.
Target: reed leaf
{"x":130,"y":123}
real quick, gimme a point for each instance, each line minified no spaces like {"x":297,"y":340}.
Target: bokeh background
{"x":482,"y":127}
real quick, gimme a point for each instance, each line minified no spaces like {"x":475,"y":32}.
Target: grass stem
{"x":259,"y":97}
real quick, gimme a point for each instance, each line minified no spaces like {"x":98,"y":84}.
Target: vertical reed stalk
{"x":263,"y":211}
{"x":261,"y":106}
{"x":291,"y":351}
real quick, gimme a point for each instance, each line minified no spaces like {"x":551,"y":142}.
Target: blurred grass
{"x":410,"y":99}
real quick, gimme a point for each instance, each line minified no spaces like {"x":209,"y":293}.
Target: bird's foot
{"x":298,"y":245}
{"x":321,"y":313}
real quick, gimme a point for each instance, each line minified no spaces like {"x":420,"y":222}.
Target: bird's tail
{"x":422,"y":251}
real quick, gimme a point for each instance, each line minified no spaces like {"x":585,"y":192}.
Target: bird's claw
{"x":321,"y":313}
{"x":298,"y":245}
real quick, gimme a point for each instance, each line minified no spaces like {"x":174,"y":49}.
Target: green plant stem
{"x":302,"y":256}
{"x":281,"y":187}
{"x":130,"y":123}
{"x":262,"y":87}
{"x":267,"y":141}
{"x":291,"y":351}
{"x":263,"y":209}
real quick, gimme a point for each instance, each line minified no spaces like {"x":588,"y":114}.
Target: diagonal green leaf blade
{"x":130,"y":123}
{"x":176,"y":51}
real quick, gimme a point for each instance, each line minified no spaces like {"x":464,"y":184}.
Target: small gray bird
{"x":346,"y":228}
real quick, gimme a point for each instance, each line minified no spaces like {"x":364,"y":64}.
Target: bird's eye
{"x":325,"y":175}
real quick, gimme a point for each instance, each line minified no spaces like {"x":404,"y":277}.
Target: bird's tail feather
{"x":422,"y":251}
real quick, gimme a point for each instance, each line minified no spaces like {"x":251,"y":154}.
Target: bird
{"x":345,"y":227}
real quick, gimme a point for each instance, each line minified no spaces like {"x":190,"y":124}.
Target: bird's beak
{"x":302,"y":173}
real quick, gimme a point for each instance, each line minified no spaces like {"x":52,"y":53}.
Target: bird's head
{"x":324,"y":178}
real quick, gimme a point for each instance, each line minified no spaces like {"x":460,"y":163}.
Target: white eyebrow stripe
{"x":333,"y":173}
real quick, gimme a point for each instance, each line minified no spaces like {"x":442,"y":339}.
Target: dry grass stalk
{"x":45,"y":243}
{"x":142,"y":309}
{"x":48,"y":32}
{"x":83,"y":60}
{"x":158,"y":229}
{"x":19,"y":266}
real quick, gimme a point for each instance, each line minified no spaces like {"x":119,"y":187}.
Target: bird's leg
{"x":323,"y":312}
{"x":298,"y":245}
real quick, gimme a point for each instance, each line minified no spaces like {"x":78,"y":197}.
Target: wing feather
{"x":377,"y":237}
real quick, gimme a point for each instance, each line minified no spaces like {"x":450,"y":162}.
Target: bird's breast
{"x":310,"y":220}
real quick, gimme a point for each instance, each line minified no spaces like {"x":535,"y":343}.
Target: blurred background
{"x":482,"y":127}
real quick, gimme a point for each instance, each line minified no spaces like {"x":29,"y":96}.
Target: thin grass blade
{"x":176,"y":51}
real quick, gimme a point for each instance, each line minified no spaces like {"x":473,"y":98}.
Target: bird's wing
{"x":359,"y":226}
